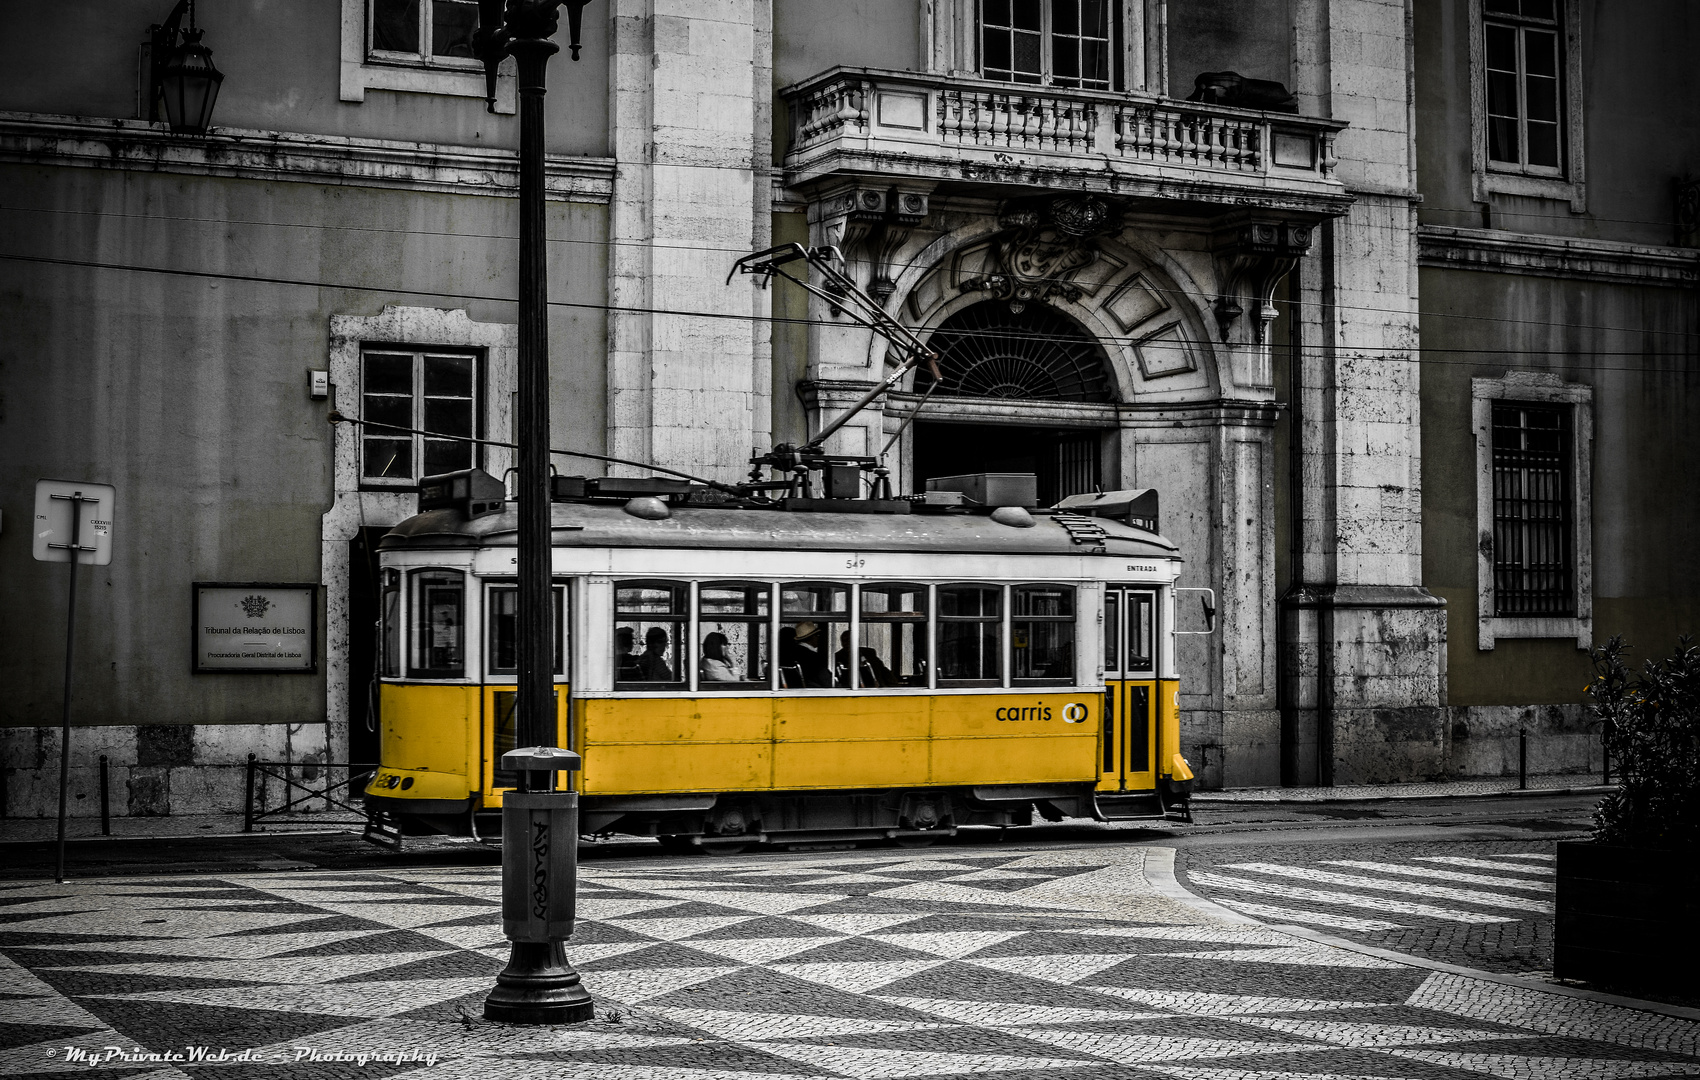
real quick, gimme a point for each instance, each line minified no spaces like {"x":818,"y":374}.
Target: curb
{"x":1160,"y":872}
{"x":1229,"y":800}
{"x":182,"y":836}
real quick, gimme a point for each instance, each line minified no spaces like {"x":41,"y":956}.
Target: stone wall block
{"x":34,"y":793}
{"x":149,"y":791}
{"x":165,"y":745}
{"x":208,"y":789}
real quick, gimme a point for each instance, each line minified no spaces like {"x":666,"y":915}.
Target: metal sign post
{"x":73,"y":524}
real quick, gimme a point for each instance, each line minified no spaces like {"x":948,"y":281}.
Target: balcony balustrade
{"x":861,"y":122}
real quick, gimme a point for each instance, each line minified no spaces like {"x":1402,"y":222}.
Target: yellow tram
{"x":817,"y":671}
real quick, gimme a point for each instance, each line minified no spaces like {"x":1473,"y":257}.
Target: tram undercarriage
{"x":729,"y":822}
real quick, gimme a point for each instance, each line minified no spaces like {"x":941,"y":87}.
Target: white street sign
{"x":52,"y":533}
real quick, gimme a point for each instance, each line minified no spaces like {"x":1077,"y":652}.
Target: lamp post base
{"x":538,"y":987}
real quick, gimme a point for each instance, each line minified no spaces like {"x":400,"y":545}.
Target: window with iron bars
{"x":1532,"y":528}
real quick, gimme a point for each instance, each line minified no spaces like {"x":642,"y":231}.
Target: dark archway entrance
{"x":1064,"y":459}
{"x":1010,"y":353}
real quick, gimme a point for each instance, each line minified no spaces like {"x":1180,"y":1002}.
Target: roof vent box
{"x":473,"y":492}
{"x":991,"y":489}
{"x":1136,"y":506}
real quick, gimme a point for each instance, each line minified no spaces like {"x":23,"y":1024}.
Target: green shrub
{"x":1651,"y":728}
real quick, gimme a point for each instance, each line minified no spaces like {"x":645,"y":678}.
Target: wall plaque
{"x":255,"y":627}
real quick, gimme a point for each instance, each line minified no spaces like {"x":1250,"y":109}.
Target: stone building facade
{"x":1313,"y":306}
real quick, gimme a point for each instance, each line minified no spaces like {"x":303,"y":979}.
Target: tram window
{"x":439,"y":625}
{"x":1112,"y":632}
{"x":650,"y":618}
{"x":1042,"y":635}
{"x":732,"y":633}
{"x":813,"y":617}
{"x":503,"y":620}
{"x":970,"y":635}
{"x":391,"y":627}
{"x":893,"y":649}
{"x":1141,"y":641}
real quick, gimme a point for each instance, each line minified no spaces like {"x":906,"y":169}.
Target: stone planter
{"x":1627,"y":918}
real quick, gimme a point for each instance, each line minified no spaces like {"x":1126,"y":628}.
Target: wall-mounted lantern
{"x":181,"y":78}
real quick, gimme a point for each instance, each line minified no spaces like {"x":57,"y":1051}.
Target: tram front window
{"x":893,"y":649}
{"x":970,"y":635}
{"x":439,"y":629}
{"x":1042,"y":635}
{"x":813,"y":617}
{"x":503,"y":620}
{"x":391,"y":616}
{"x":650,"y":618}
{"x":732,"y":629}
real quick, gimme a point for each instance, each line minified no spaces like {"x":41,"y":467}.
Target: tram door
{"x":1128,"y":747}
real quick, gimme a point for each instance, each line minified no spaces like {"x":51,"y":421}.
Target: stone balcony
{"x":850,"y":123}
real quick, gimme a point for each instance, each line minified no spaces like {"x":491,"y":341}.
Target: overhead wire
{"x":1396,"y":354}
{"x":908,"y":265}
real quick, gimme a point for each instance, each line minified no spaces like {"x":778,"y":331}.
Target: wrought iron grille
{"x":1531,"y":519}
{"x":989,"y":351}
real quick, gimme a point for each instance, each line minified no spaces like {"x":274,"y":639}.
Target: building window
{"x":432,"y":32}
{"x":407,"y":398}
{"x":1522,"y":51}
{"x":987,"y":350}
{"x":1533,"y":478}
{"x":1531,"y":522}
{"x":1062,"y":43}
{"x":1526,"y":101}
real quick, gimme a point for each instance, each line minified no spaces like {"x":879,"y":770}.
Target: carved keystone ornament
{"x":1045,"y":242}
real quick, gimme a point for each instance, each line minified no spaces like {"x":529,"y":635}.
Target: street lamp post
{"x":538,"y":986}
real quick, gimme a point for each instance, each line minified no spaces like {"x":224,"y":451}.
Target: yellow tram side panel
{"x":664,"y":745}
{"x":1170,"y":763}
{"x":484,"y":750}
{"x":430,"y":733}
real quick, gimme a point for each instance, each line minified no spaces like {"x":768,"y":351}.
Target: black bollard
{"x":539,"y":894}
{"x":105,"y":805}
{"x":1522,"y":759}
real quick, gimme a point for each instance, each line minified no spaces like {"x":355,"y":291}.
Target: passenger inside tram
{"x":874,"y":672}
{"x":716,"y":665}
{"x":806,"y":657}
{"x":627,"y":663}
{"x":652,"y":665}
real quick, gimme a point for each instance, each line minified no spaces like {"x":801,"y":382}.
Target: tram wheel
{"x":915,"y":841}
{"x":724,"y":849}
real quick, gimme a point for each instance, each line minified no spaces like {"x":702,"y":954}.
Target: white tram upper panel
{"x":605,"y":538}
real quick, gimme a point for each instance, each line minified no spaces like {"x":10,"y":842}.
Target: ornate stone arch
{"x":1142,"y":305}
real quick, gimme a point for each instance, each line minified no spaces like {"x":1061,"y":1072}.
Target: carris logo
{"x":1074,"y":713}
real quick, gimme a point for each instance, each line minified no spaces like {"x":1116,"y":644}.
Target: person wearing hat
{"x":810,"y":654}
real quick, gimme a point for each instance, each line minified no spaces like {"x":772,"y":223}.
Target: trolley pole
{"x":538,"y":986}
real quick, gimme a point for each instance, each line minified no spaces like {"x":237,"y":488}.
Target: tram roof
{"x":591,"y":525}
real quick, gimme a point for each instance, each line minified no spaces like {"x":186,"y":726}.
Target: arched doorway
{"x":1006,"y":353}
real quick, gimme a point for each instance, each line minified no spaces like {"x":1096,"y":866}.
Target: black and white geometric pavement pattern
{"x":1019,"y":964}
{"x":1490,"y":908}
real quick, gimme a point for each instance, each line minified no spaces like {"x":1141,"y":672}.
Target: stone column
{"x":688,"y":123}
{"x":1365,"y":641}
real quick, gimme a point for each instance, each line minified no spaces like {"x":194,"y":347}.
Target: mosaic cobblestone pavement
{"x":1023,"y":964}
{"x":1491,"y":908}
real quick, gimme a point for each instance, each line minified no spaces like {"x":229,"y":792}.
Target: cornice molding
{"x":139,"y":146}
{"x":1557,"y":256}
